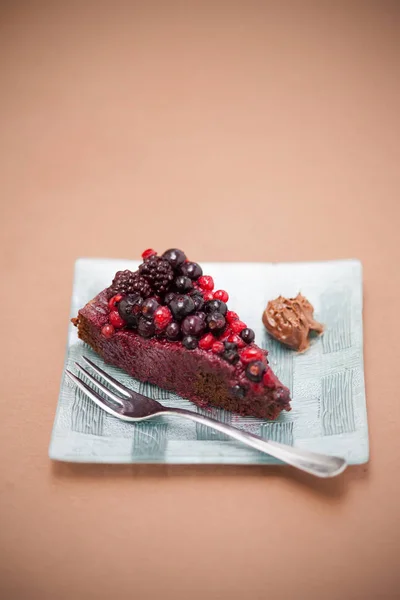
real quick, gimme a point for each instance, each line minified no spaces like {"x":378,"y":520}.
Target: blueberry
{"x":201,"y":315}
{"x":216,"y":322}
{"x":193,"y":325}
{"x":216,"y":306}
{"x":190,"y":342}
{"x":238,"y":391}
{"x":191,"y":270}
{"x":149,"y":307}
{"x":230,"y":356}
{"x":230,"y":346}
{"x":146,"y":328}
{"x":173,"y":331}
{"x":255,"y":371}
{"x":198,"y":300}
{"x":183,"y":284}
{"x":247,"y":335}
{"x":175,"y":257}
{"x":181,"y":306}
{"x":169,"y":297}
{"x":129,"y":308}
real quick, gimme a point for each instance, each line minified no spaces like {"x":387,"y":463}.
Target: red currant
{"x":147,"y":253}
{"x":113,"y":301}
{"x":207,"y":296}
{"x":218,"y":347}
{"x":221,"y":295}
{"x":207,"y":342}
{"x":108,"y":330}
{"x":251,"y":353}
{"x":162,"y":317}
{"x":269,"y":379}
{"x":238,"y":326}
{"x":225,"y":335}
{"x":231,"y":316}
{"x":116,"y":320}
{"x":206,"y":283}
{"x":235,"y":339}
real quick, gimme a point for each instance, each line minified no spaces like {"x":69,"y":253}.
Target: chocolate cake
{"x":165,"y":324}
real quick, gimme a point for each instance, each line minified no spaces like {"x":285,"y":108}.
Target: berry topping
{"x":162,"y":317}
{"x":218,"y":347}
{"x":191,"y":270}
{"x":239,"y":391}
{"x":108,"y":331}
{"x":190,"y":342}
{"x":251,"y":353}
{"x":146,"y":328}
{"x":193,"y":325}
{"x":126,"y":282}
{"x":238,"y":326}
{"x":230,"y":356}
{"x":114,"y":300}
{"x":206,"y":342}
{"x":216,"y":322}
{"x":231,"y":316}
{"x":247,"y":335}
{"x":225,"y":335}
{"x":206,"y":283}
{"x":216,"y":306}
{"x":230,"y":345}
{"x":181,"y":306}
{"x":255,"y":371}
{"x":169,"y":297}
{"x":183,"y":284}
{"x":269,"y":379}
{"x":129,"y":309}
{"x":147,"y":253}
{"x":175,"y":257}
{"x":198,"y":300}
{"x":221,"y":295}
{"x":157,"y":272}
{"x":208,"y":296}
{"x":149,"y":307}
{"x":116,"y":320}
{"x":173,"y":331}
{"x":235,"y":339}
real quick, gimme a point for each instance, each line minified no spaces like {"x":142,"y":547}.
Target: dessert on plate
{"x":165,"y":324}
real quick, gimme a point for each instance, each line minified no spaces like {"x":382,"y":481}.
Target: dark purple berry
{"x":202,"y":315}
{"x":190,"y":342}
{"x":149,"y":307}
{"x":216,"y":322}
{"x":230,"y":346}
{"x":175,"y":257}
{"x":230,"y":356}
{"x":255,"y":371}
{"x":146,"y":328}
{"x":173,"y":331}
{"x":181,"y":306}
{"x":129,"y":308}
{"x":183,"y":284}
{"x":126,"y":282}
{"x":216,"y":306}
{"x":157,"y":272}
{"x":169,"y":297}
{"x":238,"y":391}
{"x":193,"y":325}
{"x":191,"y":270}
{"x":247,"y":335}
{"x":198,"y":301}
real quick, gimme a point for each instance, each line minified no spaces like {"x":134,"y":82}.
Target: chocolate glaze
{"x":291,"y":320}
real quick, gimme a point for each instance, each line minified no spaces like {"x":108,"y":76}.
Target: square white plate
{"x":327,"y":382}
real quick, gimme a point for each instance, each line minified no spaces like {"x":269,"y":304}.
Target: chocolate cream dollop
{"x":291,"y":320}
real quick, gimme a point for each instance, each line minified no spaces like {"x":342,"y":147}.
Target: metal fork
{"x":130,"y":406}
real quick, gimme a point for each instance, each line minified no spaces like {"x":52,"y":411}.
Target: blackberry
{"x":126,"y":282}
{"x":157,"y":272}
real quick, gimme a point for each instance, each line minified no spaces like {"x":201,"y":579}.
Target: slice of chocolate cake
{"x":164,"y":324}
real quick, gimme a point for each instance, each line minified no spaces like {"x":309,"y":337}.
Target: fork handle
{"x":321,"y":465}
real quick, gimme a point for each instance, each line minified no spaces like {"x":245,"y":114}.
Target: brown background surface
{"x":237,"y":131}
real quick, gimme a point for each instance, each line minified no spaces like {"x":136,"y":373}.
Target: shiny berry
{"x":231,"y":356}
{"x":231,"y":316}
{"x":198,"y":301}
{"x":149,"y":307}
{"x":215,"y":306}
{"x":206,"y":342}
{"x":193,"y":326}
{"x":108,"y":331}
{"x":221,"y":295}
{"x":208,"y":296}
{"x":146,"y":328}
{"x":251,"y":353}
{"x":190,"y":342}
{"x":148,"y":253}
{"x":116,"y":320}
{"x":114,"y":300}
{"x":233,"y":337}
{"x":169,"y":297}
{"x":225,"y":335}
{"x":206,"y":283}
{"x":129,"y":309}
{"x":191,"y":270}
{"x":218,"y":347}
{"x":175,"y":257}
{"x":269,"y":379}
{"x":238,"y":391}
{"x":216,"y":322}
{"x":202,"y":315}
{"x":230,"y":345}
{"x":173,"y":331}
{"x":255,"y":371}
{"x":162,"y":317}
{"x":183,"y":284}
{"x":181,"y":306}
{"x":247,"y":335}
{"x":238,"y":326}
